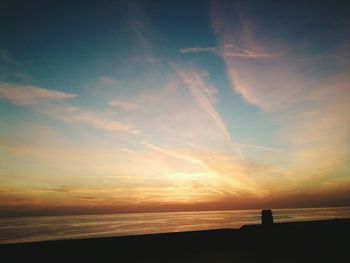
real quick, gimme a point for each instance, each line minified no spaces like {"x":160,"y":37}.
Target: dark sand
{"x":314,"y":241}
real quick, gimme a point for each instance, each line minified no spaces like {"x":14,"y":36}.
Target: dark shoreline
{"x":310,"y":241}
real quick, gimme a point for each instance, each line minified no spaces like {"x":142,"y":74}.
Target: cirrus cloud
{"x":29,"y":95}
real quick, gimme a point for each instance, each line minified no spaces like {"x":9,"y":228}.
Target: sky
{"x":149,"y":106}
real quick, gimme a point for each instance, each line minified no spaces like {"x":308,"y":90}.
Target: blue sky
{"x":117,"y":106}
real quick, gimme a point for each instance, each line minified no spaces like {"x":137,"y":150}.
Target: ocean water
{"x":29,"y":229}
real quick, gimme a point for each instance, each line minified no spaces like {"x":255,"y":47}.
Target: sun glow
{"x":233,"y":110}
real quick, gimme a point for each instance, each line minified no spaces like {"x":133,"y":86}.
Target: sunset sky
{"x":145,"y":106}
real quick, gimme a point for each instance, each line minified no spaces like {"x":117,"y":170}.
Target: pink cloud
{"x":28,"y":95}
{"x":258,"y":70}
{"x":309,"y":105}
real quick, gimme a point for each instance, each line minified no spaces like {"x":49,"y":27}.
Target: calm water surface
{"x":27,"y":229}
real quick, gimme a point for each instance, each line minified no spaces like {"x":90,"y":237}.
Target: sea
{"x":32,"y":229}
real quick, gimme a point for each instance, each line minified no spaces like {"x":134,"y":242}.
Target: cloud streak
{"x":52,"y":103}
{"x":125,"y":105}
{"x":232,"y":50}
{"x":174,"y":154}
{"x":259,"y":147}
{"x":203,"y":93}
{"x":29,"y":95}
{"x":197,"y":50}
{"x":77,"y":115}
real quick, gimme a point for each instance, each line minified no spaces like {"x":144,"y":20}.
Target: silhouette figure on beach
{"x":266,"y":217}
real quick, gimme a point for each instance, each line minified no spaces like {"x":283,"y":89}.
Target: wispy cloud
{"x":140,"y":29}
{"x":28,"y":95}
{"x":232,"y":50}
{"x":321,"y":129}
{"x":52,"y":103}
{"x":150,"y":98}
{"x":292,"y":88}
{"x":198,"y":50}
{"x":125,"y":105}
{"x":108,"y":81}
{"x":259,"y":147}
{"x":173,"y":153}
{"x":259,"y":70}
{"x":143,"y":33}
{"x":203,"y":93}
{"x":71,"y":114}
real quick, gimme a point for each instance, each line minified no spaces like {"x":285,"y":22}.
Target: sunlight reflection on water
{"x":26,"y":229}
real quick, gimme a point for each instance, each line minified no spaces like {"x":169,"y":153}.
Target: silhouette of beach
{"x":309,"y":241}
